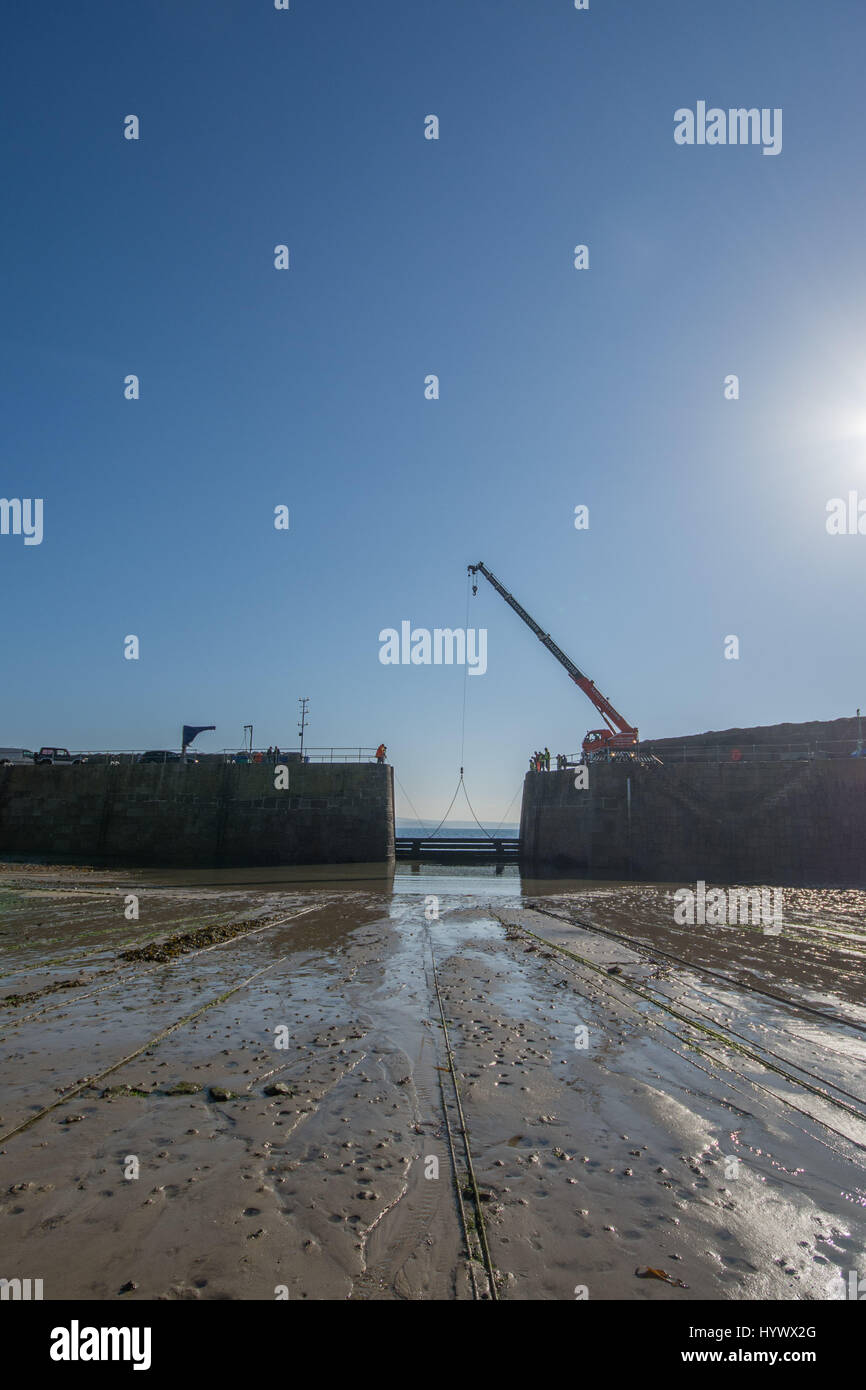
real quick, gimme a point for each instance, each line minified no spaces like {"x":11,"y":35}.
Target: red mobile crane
{"x":619,"y":739}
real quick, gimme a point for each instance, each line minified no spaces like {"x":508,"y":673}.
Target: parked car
{"x":9,"y":757}
{"x":164,"y":755}
{"x":60,"y":757}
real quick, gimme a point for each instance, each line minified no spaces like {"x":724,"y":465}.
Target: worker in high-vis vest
{"x":380,"y":753}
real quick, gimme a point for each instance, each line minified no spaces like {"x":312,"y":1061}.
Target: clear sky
{"x":408,"y":256}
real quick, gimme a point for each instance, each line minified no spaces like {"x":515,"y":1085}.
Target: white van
{"x":10,"y":756}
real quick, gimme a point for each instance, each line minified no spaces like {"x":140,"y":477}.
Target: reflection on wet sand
{"x":267,"y":1045}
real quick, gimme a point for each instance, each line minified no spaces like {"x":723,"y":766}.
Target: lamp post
{"x":302,"y":722}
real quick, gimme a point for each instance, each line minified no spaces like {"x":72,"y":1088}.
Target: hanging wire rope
{"x":409,"y":799}
{"x":510,"y":804}
{"x":465,"y":681}
{"x":462,"y":784}
{"x":460,"y":781}
{"x":450,"y":804}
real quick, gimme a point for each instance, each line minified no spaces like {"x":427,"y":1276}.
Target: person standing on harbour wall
{"x":380,"y":753}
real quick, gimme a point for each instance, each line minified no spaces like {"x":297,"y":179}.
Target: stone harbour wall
{"x":774,"y":822}
{"x":206,"y":815}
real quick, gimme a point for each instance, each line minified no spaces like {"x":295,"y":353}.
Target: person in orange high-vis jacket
{"x":380,"y":753}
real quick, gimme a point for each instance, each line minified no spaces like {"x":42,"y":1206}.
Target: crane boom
{"x":619,"y":734}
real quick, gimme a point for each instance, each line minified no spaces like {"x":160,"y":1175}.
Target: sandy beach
{"x":254,"y":1090}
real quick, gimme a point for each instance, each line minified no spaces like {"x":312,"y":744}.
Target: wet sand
{"x":267,"y":1106}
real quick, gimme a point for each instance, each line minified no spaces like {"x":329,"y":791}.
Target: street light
{"x":302,"y":722}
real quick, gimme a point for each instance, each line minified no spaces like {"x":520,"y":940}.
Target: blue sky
{"x":408,"y":257}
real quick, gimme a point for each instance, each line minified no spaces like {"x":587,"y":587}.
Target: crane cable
{"x":450,"y":804}
{"x":409,"y":799}
{"x":463,"y":739}
{"x":510,"y":804}
{"x":469,"y":804}
{"x":472,"y":1185}
{"x":465,"y":681}
{"x":460,"y":780}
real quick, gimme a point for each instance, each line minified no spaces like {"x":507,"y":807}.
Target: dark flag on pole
{"x":191,"y":731}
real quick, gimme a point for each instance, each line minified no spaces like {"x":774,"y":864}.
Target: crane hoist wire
{"x":465,"y":681}
{"x":429,"y":835}
{"x":460,"y":781}
{"x":408,"y":798}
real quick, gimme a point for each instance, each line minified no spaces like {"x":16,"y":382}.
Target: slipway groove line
{"x":730,"y":1033}
{"x":641,"y":949}
{"x":481,"y":1230}
{"x":121,"y":979}
{"x":719,"y":1037}
{"x":78,"y":957}
{"x":718,"y":1062}
{"x":90,"y":1081}
{"x":699,"y":969}
{"x":455,"y":1174}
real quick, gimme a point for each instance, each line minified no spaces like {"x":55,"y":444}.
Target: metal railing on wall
{"x":324,"y":754}
{"x":756,"y":752}
{"x":817,"y":751}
